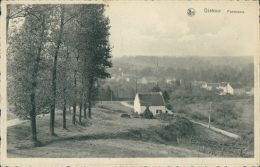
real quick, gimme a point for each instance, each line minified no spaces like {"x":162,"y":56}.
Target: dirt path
{"x":212,"y":128}
{"x":126,"y":104}
{"x":17,"y":121}
{"x":218,"y":130}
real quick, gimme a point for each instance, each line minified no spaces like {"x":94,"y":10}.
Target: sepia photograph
{"x":130,"y":80}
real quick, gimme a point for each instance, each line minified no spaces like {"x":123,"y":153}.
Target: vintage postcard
{"x":133,"y":83}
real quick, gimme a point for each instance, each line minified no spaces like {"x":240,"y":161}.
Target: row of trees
{"x":56,"y":53}
{"x":214,"y":74}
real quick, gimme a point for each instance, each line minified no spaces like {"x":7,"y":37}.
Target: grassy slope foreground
{"x":109,"y":135}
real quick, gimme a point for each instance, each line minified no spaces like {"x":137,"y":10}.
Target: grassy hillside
{"x":107,"y":134}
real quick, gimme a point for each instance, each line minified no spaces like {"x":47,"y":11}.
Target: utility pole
{"x":209,"y":113}
{"x":136,"y":86}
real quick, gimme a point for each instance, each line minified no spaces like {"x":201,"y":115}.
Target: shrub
{"x":125,"y":116}
{"x":168,"y":106}
{"x":182,"y":110}
{"x":232,"y":123}
{"x":147,"y":114}
{"x":120,"y":111}
{"x":136,"y":115}
{"x":166,"y":117}
{"x":199,"y":116}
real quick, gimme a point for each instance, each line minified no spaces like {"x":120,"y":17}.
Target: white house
{"x":235,"y":89}
{"x":152,"y":80}
{"x":223,"y":86}
{"x":210,"y":86}
{"x":170,"y":80}
{"x":148,"y":80}
{"x":204,"y":85}
{"x":142,"y":80}
{"x":155,"y":102}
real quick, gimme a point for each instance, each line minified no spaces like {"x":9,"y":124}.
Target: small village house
{"x":223,"y":86}
{"x":152,"y":80}
{"x":142,"y":80}
{"x":211,"y":86}
{"x":127,"y":76}
{"x":148,"y":80}
{"x":170,"y":80}
{"x":235,"y":89}
{"x":155,"y":102}
{"x":204,"y":85}
{"x":249,"y":91}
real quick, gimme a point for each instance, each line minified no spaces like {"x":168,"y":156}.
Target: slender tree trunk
{"x":74,"y":114}
{"x":34,"y":86}
{"x":52,"y":115}
{"x":7,"y":18}
{"x":89,"y":99}
{"x":74,"y":103}
{"x":80,"y":110}
{"x":85,"y":108}
{"x":81,"y":100}
{"x":64,"y":111}
{"x":89,"y":109}
{"x":84,"y":94}
{"x":33,"y":117}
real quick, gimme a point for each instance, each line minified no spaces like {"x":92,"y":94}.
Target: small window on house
{"x":158,"y":111}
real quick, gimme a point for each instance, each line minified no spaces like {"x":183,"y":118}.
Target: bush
{"x":125,"y":116}
{"x":199,"y":116}
{"x":232,"y":123}
{"x":168,"y":106}
{"x":182,"y":110}
{"x":166,"y":117}
{"x":147,"y":114}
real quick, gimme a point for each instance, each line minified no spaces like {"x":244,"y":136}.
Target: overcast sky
{"x":164,"y":28}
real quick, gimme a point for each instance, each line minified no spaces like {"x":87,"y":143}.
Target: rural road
{"x":17,"y":121}
{"x":211,"y":127}
{"x":126,"y":104}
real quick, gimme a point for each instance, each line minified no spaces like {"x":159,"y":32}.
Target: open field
{"x":234,"y":126}
{"x":107,"y":134}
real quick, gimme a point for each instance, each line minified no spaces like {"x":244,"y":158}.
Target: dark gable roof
{"x":213,"y":84}
{"x":236,"y":85}
{"x":223,"y":84}
{"x":151,"y":99}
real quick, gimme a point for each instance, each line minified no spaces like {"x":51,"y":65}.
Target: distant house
{"x":204,"y":85}
{"x":142,"y":80}
{"x":155,"y":102}
{"x":147,"y":80}
{"x":211,"y":86}
{"x":235,"y":89}
{"x":197,"y":83}
{"x":152,"y":80}
{"x":223,"y":87}
{"x":127,"y":76}
{"x":249,"y":91}
{"x":170,"y":80}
